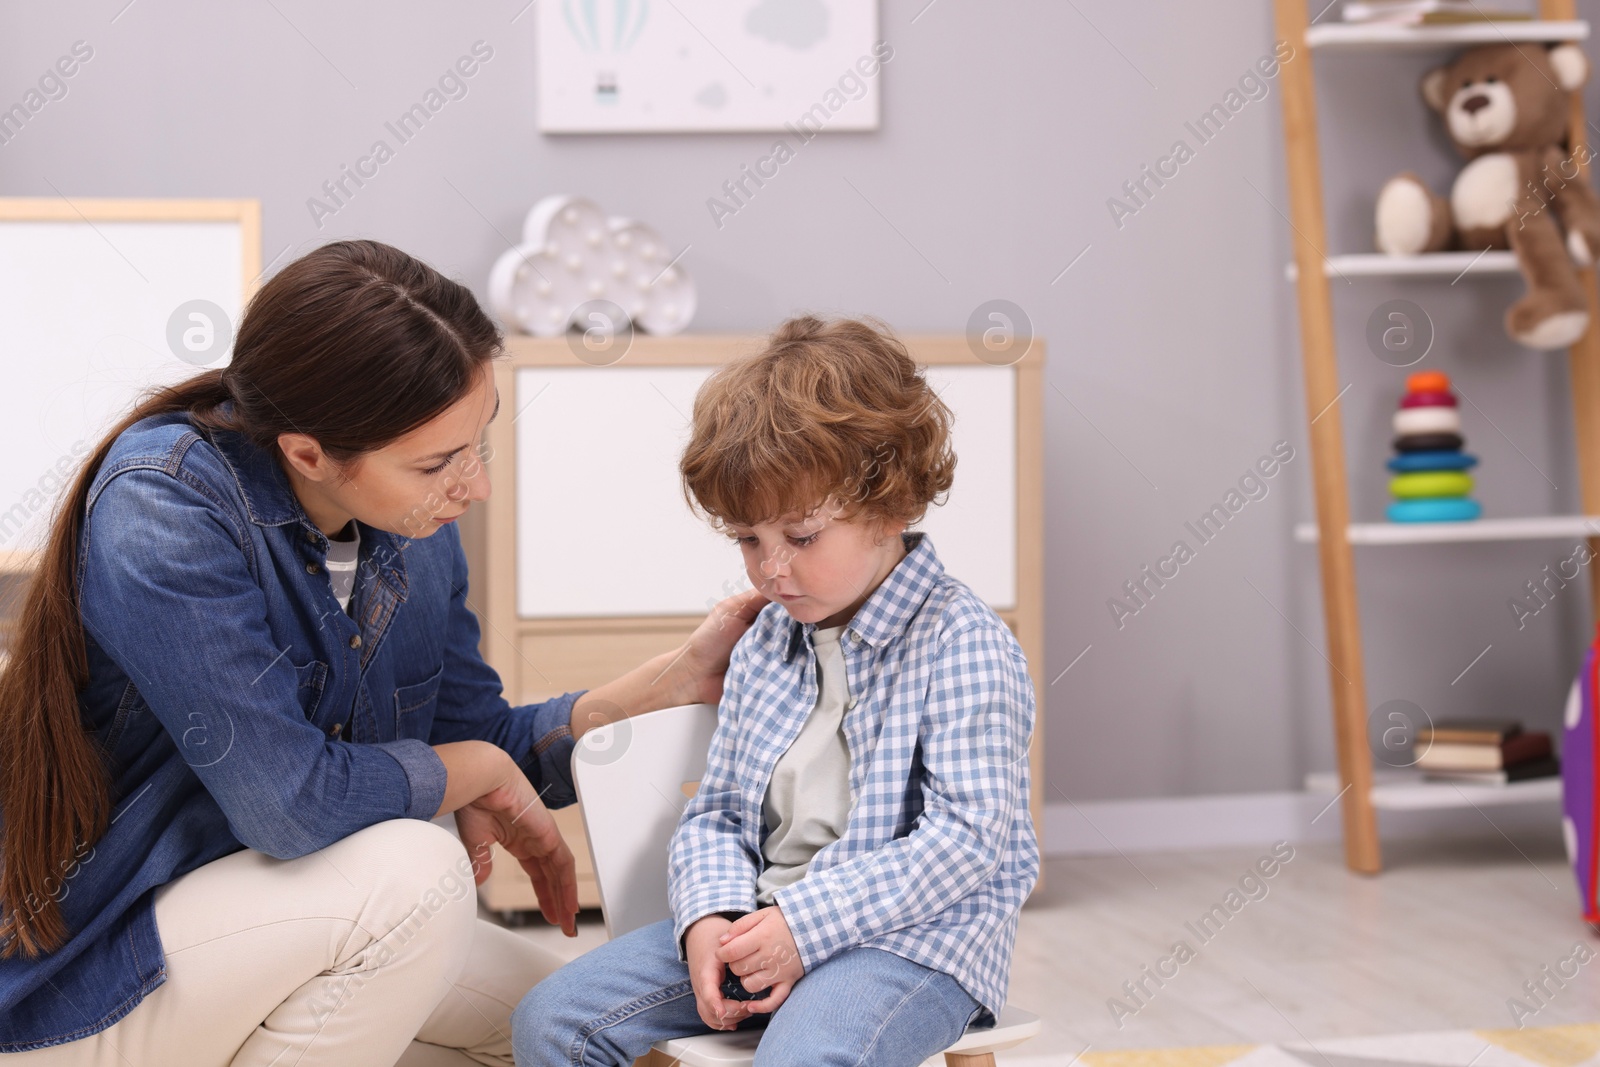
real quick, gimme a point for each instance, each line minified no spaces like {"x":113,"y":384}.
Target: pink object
{"x":1428,"y":400}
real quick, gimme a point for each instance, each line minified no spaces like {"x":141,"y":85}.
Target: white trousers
{"x":369,"y":951}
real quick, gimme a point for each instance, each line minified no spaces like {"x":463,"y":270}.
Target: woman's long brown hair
{"x":355,"y":344}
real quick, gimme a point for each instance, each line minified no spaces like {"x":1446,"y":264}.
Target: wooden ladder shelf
{"x":1322,"y":391}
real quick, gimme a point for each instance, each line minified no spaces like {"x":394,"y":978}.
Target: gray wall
{"x":1006,"y":128}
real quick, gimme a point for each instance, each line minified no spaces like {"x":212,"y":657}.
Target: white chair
{"x":634,"y":777}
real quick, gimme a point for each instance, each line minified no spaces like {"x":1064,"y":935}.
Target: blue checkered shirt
{"x":939,"y":852}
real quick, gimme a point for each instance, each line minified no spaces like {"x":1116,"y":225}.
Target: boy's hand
{"x":706,"y":971}
{"x":761,"y":950}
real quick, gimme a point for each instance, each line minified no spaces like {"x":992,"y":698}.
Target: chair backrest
{"x":630,"y":776}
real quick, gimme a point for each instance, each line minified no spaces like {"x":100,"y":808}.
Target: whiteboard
{"x":85,"y":305}
{"x":602,"y":526}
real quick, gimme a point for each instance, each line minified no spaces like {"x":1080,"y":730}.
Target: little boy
{"x":849,"y":873}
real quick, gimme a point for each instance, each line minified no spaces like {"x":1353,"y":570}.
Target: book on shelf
{"x":1426,"y":12}
{"x":1449,"y":18}
{"x":1468,"y":731}
{"x":1548,"y":767}
{"x":1520,"y":747}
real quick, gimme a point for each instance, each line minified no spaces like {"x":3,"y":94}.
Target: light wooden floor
{"x":1440,"y":941}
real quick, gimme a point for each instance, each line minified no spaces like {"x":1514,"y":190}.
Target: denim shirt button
{"x":355,"y":641}
{"x":311,"y":568}
{"x":334,"y":730}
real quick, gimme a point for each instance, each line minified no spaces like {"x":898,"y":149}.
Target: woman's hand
{"x":690,"y":674}
{"x":504,"y":809}
{"x":704,"y":658}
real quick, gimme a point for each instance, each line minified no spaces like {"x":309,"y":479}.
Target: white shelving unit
{"x":1431,"y":265}
{"x":1335,"y":35}
{"x":1408,"y":790}
{"x":1536,"y":528}
{"x":1362,"y":789}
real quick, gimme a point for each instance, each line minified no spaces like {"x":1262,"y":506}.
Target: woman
{"x":244,"y":679}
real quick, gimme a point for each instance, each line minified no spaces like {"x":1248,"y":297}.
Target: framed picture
{"x":651,"y":66}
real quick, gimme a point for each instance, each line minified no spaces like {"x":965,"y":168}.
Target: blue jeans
{"x":863,"y":1006}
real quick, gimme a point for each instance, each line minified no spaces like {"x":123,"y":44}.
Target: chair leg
{"x":959,"y":1059}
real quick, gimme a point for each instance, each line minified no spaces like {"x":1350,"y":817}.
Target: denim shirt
{"x":939,"y":851}
{"x":240,"y":707}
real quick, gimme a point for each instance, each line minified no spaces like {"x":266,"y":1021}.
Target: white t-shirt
{"x":807,"y":805}
{"x":342,"y":562}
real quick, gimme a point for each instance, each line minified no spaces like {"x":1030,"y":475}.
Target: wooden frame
{"x":247,"y":213}
{"x":1319,"y":356}
{"x":580,"y":653}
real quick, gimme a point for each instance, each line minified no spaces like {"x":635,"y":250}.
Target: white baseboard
{"x":1166,"y":824}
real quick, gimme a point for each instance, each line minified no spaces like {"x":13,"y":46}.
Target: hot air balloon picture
{"x":606,"y":29}
{"x":660,"y":66}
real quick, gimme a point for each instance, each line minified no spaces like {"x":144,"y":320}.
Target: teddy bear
{"x":1506,"y":108}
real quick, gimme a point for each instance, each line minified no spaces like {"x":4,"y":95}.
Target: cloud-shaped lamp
{"x":573,"y":254}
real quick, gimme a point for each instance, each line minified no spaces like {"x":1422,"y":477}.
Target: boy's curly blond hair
{"x":828,"y":411}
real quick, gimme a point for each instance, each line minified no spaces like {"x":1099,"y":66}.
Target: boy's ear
{"x":889,"y":529}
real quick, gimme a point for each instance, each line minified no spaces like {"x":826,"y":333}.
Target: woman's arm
{"x":472,"y":706}
{"x":495,"y":803}
{"x":472,"y":769}
{"x":167,"y":592}
{"x":689,"y":674}
{"x":491,"y":792}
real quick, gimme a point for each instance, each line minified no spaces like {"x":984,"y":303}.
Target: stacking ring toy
{"x":1428,"y":381}
{"x":1428,"y":400}
{"x":1428,"y":442}
{"x":1427,"y":420}
{"x":1439,"y":509}
{"x":1417,"y":484}
{"x":1432,"y":461}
